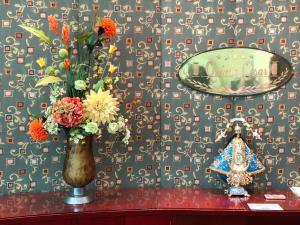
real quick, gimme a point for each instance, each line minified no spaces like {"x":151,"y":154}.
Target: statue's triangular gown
{"x":223,"y":161}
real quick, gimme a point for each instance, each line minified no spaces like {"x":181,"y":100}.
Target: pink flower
{"x":68,"y":112}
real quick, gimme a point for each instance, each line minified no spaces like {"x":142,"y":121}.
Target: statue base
{"x":237,"y":191}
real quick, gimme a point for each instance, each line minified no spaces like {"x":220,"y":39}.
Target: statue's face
{"x":239,"y":158}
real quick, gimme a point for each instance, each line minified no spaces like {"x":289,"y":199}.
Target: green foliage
{"x":70,"y":84}
{"x":100,"y":84}
{"x":45,"y":81}
{"x":102,"y":55}
{"x":38,"y":33}
{"x":84,"y":37}
{"x":98,"y":20}
{"x":78,"y":72}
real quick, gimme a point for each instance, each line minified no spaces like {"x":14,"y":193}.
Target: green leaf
{"x":95,"y":68}
{"x":99,"y":20}
{"x":83,"y":37}
{"x":48,"y":80}
{"x":90,"y":39}
{"x":70,"y":84}
{"x":81,"y":72}
{"x":72,"y":76}
{"x":39,"y":33}
{"x":102,"y":54}
{"x":100,"y":84}
{"x":100,"y":70}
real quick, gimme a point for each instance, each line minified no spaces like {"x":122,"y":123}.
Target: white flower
{"x":51,"y":126}
{"x":56,"y":92}
{"x":75,"y":136}
{"x":80,"y":85}
{"x":125,"y":140}
{"x":121,"y":123}
{"x":91,"y":127}
{"x":113,"y":128}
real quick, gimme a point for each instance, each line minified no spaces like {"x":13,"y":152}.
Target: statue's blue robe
{"x":222,"y":162}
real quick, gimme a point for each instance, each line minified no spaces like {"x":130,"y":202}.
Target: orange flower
{"x":53,"y":24}
{"x":136,"y":102}
{"x":109,"y":27}
{"x":65,"y":35}
{"x":37,"y":131}
{"x":67,"y":63}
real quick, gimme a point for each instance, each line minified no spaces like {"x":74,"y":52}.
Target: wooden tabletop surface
{"x":193,"y":201}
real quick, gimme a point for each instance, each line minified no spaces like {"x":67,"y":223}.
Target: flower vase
{"x":79,"y":170}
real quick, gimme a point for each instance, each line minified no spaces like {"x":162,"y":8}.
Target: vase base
{"x":78,"y":196}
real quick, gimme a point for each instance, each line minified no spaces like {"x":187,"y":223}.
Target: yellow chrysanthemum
{"x":100,"y":107}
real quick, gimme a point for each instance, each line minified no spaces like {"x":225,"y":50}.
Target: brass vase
{"x":79,"y":170}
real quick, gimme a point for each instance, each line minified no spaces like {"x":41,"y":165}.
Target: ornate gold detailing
{"x":238,"y":174}
{"x":237,"y":179}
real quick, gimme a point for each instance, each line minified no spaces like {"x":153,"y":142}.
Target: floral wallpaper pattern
{"x":173,"y":127}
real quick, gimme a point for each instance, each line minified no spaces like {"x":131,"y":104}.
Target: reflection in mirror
{"x":235,"y":71}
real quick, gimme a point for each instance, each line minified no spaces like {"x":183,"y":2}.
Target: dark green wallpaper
{"x":173,"y":127}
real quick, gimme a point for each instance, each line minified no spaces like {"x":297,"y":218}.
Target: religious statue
{"x":237,"y":163}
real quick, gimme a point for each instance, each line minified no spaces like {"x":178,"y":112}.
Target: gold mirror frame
{"x":235,"y":71}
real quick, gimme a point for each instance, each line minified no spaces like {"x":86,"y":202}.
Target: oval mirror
{"x":235,"y":71}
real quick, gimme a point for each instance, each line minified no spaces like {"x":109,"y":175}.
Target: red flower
{"x":67,"y":63}
{"x":109,"y":27}
{"x":68,"y":112}
{"x":65,"y":35}
{"x":53,"y":24}
{"x":37,"y":131}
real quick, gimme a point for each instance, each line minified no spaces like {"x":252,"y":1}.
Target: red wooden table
{"x":149,"y":207}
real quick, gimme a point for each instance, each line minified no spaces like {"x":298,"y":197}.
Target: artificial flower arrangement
{"x":81,"y":92}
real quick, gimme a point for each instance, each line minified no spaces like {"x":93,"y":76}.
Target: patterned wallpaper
{"x":173,"y":127}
